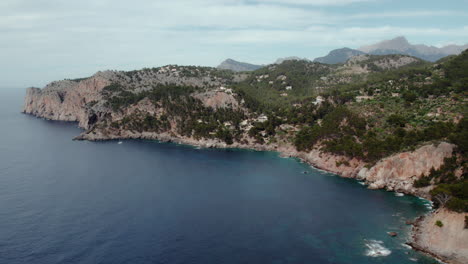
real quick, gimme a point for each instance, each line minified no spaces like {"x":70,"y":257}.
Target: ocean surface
{"x":64,"y":201}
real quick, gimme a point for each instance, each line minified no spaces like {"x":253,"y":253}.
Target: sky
{"x":46,"y":40}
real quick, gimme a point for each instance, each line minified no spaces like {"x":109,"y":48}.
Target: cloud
{"x":408,"y":14}
{"x":55,"y":36}
{"x":315,"y":2}
{"x":332,"y":36}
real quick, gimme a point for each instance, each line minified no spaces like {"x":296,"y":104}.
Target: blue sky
{"x":46,"y":40}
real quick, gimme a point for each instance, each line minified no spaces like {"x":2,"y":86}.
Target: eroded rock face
{"x":65,"y":100}
{"x":448,"y":242}
{"x":344,"y":166}
{"x":398,"y":172}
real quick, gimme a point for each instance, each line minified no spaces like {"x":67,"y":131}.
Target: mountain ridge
{"x":400,"y":45}
{"x":237,"y":66}
{"x":338,"y":56}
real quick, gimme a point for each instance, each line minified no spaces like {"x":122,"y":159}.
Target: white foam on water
{"x":362,"y":183}
{"x":322,"y":171}
{"x":413,"y":259}
{"x":399,"y":194}
{"x":406,"y":246}
{"x":375,"y":248}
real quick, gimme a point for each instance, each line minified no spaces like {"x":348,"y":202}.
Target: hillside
{"x":393,"y":121}
{"x":356,"y":113}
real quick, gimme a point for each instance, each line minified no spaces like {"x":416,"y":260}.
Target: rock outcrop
{"x":65,"y":100}
{"x":448,"y":242}
{"x":398,"y":172}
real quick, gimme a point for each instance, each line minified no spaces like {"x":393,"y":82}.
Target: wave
{"x":375,"y":248}
{"x":406,"y":246}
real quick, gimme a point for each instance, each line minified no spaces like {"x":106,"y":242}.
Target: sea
{"x":139,"y":201}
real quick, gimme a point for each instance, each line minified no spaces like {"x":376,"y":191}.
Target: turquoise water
{"x":64,"y":201}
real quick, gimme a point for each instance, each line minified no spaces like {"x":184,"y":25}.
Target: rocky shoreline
{"x":383,"y":175}
{"x":317,"y":160}
{"x":70,"y":101}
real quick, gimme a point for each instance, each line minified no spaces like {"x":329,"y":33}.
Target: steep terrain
{"x":393,"y":121}
{"x":445,"y":234}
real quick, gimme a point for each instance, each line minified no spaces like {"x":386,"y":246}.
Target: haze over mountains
{"x":398,"y":45}
{"x":238,"y":66}
{"x":339,"y":56}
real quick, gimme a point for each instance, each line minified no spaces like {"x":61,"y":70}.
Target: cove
{"x":64,"y":201}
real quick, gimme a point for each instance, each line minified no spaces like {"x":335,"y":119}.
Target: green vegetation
{"x":439,"y":223}
{"x":367,"y":116}
{"x":454,"y":196}
{"x":194,"y":119}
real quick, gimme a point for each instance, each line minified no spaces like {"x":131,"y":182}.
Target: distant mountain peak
{"x":338,"y":56}
{"x":400,"y":45}
{"x":237,"y":66}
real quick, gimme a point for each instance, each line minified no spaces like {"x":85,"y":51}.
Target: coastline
{"x":286,"y":151}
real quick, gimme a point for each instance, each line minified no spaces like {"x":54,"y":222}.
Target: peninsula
{"x":395,"y":122}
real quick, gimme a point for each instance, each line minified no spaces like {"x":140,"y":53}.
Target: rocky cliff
{"x":449,"y":241}
{"x":208,"y":107}
{"x":398,"y":172}
{"x":66,"y":100}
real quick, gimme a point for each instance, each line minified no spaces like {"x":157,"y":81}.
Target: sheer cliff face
{"x":65,"y":100}
{"x":398,"y":172}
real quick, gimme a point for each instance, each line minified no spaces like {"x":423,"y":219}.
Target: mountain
{"x":292,"y":58}
{"x":338,"y":56}
{"x":237,"y":66}
{"x":400,"y":45}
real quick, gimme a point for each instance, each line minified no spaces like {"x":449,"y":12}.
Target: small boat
{"x":120,"y":142}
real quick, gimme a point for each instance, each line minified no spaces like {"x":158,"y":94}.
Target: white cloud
{"x":316,"y":2}
{"x":330,"y":36}
{"x":408,"y":14}
{"x":97,"y":34}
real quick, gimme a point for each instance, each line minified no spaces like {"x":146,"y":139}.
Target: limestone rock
{"x":448,"y":242}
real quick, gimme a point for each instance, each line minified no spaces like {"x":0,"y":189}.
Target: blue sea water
{"x":64,"y":201}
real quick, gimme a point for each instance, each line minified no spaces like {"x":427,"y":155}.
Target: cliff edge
{"x":448,"y":241}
